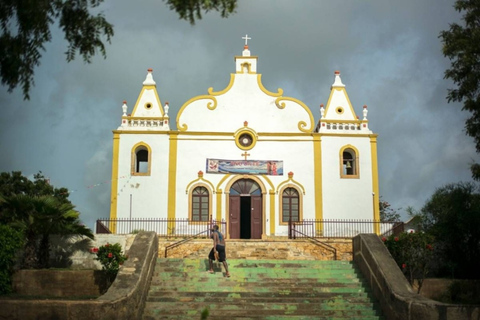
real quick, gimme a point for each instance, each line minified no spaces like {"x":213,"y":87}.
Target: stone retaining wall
{"x":124,"y":300}
{"x":59,"y":283}
{"x":397,"y":298}
{"x":263,"y":249}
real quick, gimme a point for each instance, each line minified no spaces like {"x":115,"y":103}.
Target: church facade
{"x":246,"y":155}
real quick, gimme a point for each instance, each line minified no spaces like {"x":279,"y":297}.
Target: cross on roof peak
{"x":246,"y":38}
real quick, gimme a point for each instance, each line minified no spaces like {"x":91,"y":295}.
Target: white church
{"x":246,"y":155}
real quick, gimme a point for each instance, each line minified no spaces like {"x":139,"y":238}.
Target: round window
{"x":245,"y":140}
{"x":340,"y":110}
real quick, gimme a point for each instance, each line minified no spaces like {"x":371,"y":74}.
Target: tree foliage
{"x":26,"y":28}
{"x":11,"y":240}
{"x":387,"y":213}
{"x":460,"y":45}
{"x":15,"y":183}
{"x":452,"y":216}
{"x":38,"y":210}
{"x":192,"y":9}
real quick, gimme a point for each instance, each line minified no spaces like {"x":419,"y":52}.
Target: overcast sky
{"x":388,"y":52}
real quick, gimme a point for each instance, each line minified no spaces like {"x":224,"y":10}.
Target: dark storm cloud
{"x":388,"y":53}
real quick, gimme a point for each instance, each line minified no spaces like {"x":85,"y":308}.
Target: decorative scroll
{"x":268,"y":167}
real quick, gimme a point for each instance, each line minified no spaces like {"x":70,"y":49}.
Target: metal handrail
{"x":317,"y":242}
{"x":178,"y":243}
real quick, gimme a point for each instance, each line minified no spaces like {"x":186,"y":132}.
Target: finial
{"x":165,"y":109}
{"x":124,"y":108}
{"x":200,"y":173}
{"x":245,"y":123}
{"x":149,"y":79}
{"x":338,"y":81}
{"x":365,"y":112}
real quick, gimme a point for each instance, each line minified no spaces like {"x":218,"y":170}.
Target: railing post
{"x":290,"y":229}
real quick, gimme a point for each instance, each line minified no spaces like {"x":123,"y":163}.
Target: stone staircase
{"x":259,"y":289}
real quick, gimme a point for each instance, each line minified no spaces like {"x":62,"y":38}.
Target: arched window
{"x":349,"y":163}
{"x":141,"y":160}
{"x":141,"y":166}
{"x":290,"y":205}
{"x":200,"y":204}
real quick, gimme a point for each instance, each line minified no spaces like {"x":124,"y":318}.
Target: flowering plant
{"x":111,"y":257}
{"x":413,"y":253}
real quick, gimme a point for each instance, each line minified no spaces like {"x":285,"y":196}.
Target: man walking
{"x":218,"y":250}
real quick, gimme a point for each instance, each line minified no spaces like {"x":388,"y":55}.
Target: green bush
{"x":111,"y":257}
{"x":11,"y":240}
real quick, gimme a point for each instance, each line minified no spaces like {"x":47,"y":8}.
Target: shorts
{"x":221,"y":253}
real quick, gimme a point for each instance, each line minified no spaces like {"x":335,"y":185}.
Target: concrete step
{"x":257,"y":309}
{"x":259,"y":289}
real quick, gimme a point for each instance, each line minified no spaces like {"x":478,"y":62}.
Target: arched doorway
{"x":245,"y":206}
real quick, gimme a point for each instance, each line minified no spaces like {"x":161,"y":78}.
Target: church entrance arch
{"x":245,"y":210}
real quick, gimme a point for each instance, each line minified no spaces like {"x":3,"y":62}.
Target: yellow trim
{"x":346,"y":96}
{"x":358,"y":122}
{"x":144,"y":88}
{"x":184,"y":127}
{"x":219,"y":204}
{"x":114,"y":187}
{"x":229,"y":86}
{"x":133,"y":152}
{"x":248,"y":65}
{"x":199,"y":180}
{"x":143,"y":118}
{"x":301,"y":124}
{"x":356,"y":175}
{"x":219,"y":197}
{"x":376,"y":194}
{"x":209,"y":187}
{"x":272,"y":212}
{"x":142,"y":132}
{"x":172,"y":176}
{"x":229,"y":134}
{"x":245,"y":57}
{"x":317,"y":174}
{"x":348,"y":135}
{"x":248,"y":131}
{"x":272,"y":94}
{"x":280,"y":202}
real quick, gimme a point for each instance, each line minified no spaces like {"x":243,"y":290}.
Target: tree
{"x":26,"y":25}
{"x":39,"y":210}
{"x":387,"y":213}
{"x":460,"y":45}
{"x":452,"y":217}
{"x":56,"y":218}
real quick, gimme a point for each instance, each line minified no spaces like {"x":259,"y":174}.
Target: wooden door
{"x":234,"y":226}
{"x":256,"y":203}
